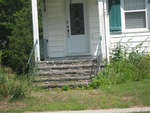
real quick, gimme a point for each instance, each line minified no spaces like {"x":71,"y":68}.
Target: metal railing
{"x":31,"y":62}
{"x":97,"y":63}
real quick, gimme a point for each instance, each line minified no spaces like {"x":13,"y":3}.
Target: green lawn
{"x":141,"y":112}
{"x":117,"y":96}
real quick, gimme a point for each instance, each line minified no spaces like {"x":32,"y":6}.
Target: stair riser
{"x":58,"y":84}
{"x":64,"y":64}
{"x":62,"y":79}
{"x":54,"y":73}
{"x":59,"y":63}
{"x":64,"y":68}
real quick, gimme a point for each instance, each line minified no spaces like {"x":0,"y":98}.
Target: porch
{"x":70,"y":28}
{"x":70,"y":51}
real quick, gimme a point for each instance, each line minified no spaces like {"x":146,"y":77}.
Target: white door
{"x":77,"y":30}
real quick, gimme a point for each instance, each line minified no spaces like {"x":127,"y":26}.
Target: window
{"x":77,"y":18}
{"x":134,"y":14}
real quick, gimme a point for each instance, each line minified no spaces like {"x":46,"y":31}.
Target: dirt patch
{"x":127,"y":98}
{"x":5,"y":104}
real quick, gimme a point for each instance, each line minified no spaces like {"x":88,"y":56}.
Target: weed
{"x":12,"y":87}
{"x":65,"y":88}
{"x":133,"y":66}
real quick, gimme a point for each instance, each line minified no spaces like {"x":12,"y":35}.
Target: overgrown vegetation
{"x":16,"y":40}
{"x":126,"y":95}
{"x":12,"y":87}
{"x":124,"y":66}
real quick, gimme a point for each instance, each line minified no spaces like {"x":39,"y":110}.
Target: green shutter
{"x":114,"y":15}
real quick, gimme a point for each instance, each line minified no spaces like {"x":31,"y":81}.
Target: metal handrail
{"x":31,"y":54}
{"x":98,"y":54}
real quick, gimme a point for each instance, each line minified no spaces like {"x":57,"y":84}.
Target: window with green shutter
{"x":114,"y":15}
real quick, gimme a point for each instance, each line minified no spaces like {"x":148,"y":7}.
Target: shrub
{"x":20,"y":42}
{"x":134,"y":66}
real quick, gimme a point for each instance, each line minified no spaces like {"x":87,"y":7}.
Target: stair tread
{"x":61,"y":85}
{"x":66,"y":61}
{"x":62,"y":72}
{"x":62,"y":79}
{"x":64,"y":67}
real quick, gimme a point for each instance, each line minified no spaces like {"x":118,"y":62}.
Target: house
{"x":74,"y":27}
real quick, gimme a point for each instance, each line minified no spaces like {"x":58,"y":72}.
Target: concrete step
{"x":63,"y":72}
{"x":68,"y":71}
{"x":62,"y":79}
{"x":58,"y":84}
{"x":63,"y":67}
{"x":61,"y":85}
{"x":65,"y":62}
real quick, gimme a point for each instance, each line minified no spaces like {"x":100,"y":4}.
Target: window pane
{"x":77,"y":19}
{"x":135,"y":20}
{"x":134,"y":4}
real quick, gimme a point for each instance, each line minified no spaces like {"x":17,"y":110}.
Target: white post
{"x":107,"y":29}
{"x":102,"y":11}
{"x":35,"y":30}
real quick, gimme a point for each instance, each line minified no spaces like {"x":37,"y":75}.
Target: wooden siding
{"x":55,"y":27}
{"x":93,"y":24}
{"x":131,"y":40}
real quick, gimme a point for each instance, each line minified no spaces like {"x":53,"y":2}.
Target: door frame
{"x":67,"y":3}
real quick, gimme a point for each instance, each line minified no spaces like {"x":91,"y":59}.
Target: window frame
{"x":123,"y":18}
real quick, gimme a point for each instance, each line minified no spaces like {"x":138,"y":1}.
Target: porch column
{"x":103,"y":25}
{"x":35,"y":30}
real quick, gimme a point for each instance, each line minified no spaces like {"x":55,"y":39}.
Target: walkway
{"x":128,"y":110}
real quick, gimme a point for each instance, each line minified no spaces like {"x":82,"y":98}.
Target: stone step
{"x":62,"y":79}
{"x":58,"y":84}
{"x":63,"y":72}
{"x":61,"y":85}
{"x":65,"y":62}
{"x":65,"y":67}
{"x":68,"y":71}
{"x":62,"y":76}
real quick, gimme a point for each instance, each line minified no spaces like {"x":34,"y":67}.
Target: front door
{"x":77,"y":29}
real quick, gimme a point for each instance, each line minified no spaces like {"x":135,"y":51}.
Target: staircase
{"x":68,"y":71}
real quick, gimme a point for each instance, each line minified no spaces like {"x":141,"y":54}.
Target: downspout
{"x":105,"y":33}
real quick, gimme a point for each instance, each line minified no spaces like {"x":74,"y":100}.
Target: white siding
{"x":93,"y":24}
{"x":128,"y":39}
{"x":131,"y":40}
{"x":55,"y":27}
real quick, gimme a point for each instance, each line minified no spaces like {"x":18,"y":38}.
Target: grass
{"x":126,"y":95}
{"x":141,"y":112}
{"x":123,"y":84}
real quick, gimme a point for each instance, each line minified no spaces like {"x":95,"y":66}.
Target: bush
{"x":20,"y":38}
{"x":133,"y":66}
{"x":12,"y":87}
{"x":20,"y":42}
